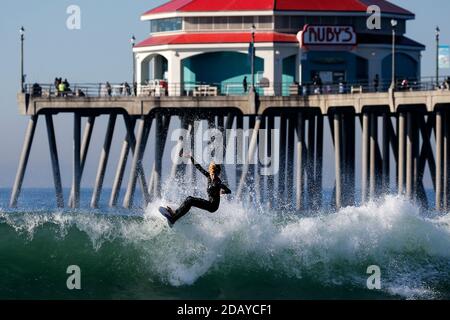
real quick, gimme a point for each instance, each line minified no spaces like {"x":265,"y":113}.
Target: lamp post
{"x":22,"y":76}
{"x":253,"y":30}
{"x":133,"y":43}
{"x":393,"y":24}
{"x":438,"y":32}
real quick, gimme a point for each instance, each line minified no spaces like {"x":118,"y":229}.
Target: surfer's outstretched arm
{"x":225,"y":189}
{"x":199,"y":167}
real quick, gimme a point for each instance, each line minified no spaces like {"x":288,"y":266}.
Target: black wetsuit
{"x":212,"y":205}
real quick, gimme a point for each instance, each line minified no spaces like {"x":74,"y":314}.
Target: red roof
{"x":270,"y":37}
{"x":276,"y":5}
{"x":196,"y":38}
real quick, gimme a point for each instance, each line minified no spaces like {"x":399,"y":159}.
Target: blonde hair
{"x":214,"y":169}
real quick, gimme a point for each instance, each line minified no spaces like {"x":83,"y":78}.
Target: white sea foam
{"x":333,"y":249}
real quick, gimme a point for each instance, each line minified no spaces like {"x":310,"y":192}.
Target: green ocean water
{"x":237,"y":253}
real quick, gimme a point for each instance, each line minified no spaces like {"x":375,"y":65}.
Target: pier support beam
{"x":55,"y":161}
{"x":445,"y":178}
{"x":259,"y":179}
{"x":439,"y":121}
{"x":239,"y":148}
{"x":310,"y":171}
{"x":318,"y":180}
{"x":290,"y":164}
{"x":161,"y":131}
{"x":104,"y":157}
{"x":23,"y":162}
{"x":386,"y":154}
{"x":410,"y":156}
{"x":76,"y":170}
{"x":143,"y":132}
{"x":300,"y":161}
{"x":348,"y":127}
{"x":281,"y":196}
{"x":401,"y":152}
{"x":270,"y":185}
{"x":365,"y":156}
{"x":159,"y":149}
{"x":373,"y":147}
{"x":251,"y":154}
{"x":337,"y":156}
{"x":84,"y":152}
{"x":130,"y":124}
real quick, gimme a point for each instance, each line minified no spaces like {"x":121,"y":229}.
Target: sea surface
{"x":240,"y":252}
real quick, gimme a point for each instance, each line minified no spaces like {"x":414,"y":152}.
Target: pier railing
{"x":160,"y":88}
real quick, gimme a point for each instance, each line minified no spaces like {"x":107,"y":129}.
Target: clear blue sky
{"x":100,"y":51}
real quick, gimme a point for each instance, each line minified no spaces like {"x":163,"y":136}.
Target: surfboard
{"x":166,"y":214}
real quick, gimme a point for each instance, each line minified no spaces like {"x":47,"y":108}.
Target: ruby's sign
{"x":327,"y":36}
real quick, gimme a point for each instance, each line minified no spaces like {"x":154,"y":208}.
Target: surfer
{"x":215,"y":189}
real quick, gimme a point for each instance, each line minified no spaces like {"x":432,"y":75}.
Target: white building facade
{"x":206,"y":42}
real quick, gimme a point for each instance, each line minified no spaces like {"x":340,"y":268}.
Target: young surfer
{"x":215,"y":189}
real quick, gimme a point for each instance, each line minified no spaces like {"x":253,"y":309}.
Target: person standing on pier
{"x":245,"y":85}
{"x":108,"y":89}
{"x":376,"y":82}
{"x":215,"y":189}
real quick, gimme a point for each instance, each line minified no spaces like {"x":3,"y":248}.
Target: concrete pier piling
{"x":76,"y":166}
{"x":23,"y":162}
{"x":416,"y":148}
{"x":55,"y":161}
{"x":104,"y":158}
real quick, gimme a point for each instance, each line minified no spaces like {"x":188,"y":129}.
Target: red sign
{"x":327,"y":36}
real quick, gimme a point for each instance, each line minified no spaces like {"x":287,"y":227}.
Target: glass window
{"x":282,"y":22}
{"x":235,"y":23}
{"x":205,"y":23}
{"x":297,"y":22}
{"x":266,"y":22}
{"x":328,"y":20}
{"x":165,"y":25}
{"x":191,"y":24}
{"x":220,"y":23}
{"x":248,"y":22}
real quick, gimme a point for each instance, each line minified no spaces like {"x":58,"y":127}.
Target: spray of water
{"x":333,"y":249}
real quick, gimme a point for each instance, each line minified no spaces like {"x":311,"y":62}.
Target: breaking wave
{"x":234,"y":253}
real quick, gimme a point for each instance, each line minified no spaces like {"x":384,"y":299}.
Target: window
{"x":266,"y":22}
{"x":220,"y":23}
{"x":297,"y":23}
{"x":205,"y":23}
{"x":165,"y":25}
{"x":235,"y":23}
{"x":191,"y":24}
{"x":248,"y":22}
{"x":283,"y":22}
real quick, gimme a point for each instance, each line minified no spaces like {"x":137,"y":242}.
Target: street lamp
{"x":393,"y":24}
{"x":133,"y":44}
{"x":253,"y":30}
{"x":438,"y":32}
{"x":22,"y":75}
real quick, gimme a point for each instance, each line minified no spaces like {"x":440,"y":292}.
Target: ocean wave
{"x":333,"y":250}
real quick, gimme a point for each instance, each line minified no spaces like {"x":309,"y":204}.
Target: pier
{"x":411,"y":127}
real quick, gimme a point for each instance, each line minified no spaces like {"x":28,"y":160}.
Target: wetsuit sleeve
{"x":199,"y":168}
{"x":225,"y":188}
